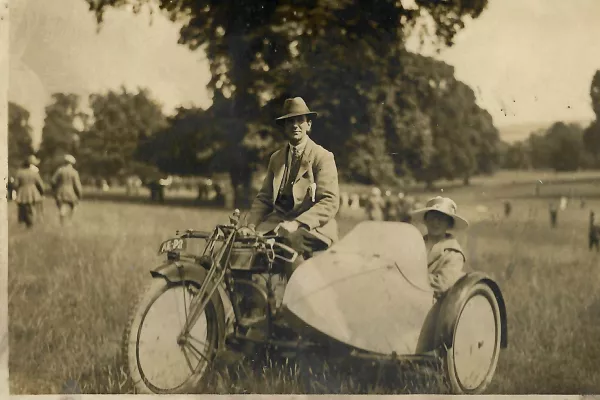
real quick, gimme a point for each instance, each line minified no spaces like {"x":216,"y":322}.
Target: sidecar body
{"x":370,"y":291}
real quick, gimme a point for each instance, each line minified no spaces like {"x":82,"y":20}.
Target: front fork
{"x":208,"y":288}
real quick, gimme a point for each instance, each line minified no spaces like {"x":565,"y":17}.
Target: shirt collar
{"x":301,"y":146}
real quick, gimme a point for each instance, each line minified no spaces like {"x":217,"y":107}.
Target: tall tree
{"x":121,"y":120}
{"x":565,"y":142}
{"x":20,"y":143}
{"x":516,"y":156}
{"x":247,"y":41}
{"x":63,"y":124}
{"x":591,"y":136}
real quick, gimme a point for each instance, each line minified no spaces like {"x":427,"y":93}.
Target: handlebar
{"x":268,"y":240}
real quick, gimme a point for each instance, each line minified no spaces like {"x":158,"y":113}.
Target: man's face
{"x":296,"y":129}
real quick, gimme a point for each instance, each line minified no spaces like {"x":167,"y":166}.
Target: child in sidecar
{"x":445,"y":257}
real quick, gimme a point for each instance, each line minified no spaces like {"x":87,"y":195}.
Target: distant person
{"x":404,"y":208}
{"x":392,"y":207}
{"x":67,"y":188}
{"x":38,"y":205}
{"x":594,"y":233}
{"x":30,"y":191}
{"x":564,"y":202}
{"x":374,"y":205}
{"x":553,"y":214}
{"x":354,"y":201}
{"x":507,"y":208}
{"x":10,"y":188}
{"x":157,"y":190}
{"x":445,"y":257}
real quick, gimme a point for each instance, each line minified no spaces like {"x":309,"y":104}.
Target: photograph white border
{"x":4,"y":337}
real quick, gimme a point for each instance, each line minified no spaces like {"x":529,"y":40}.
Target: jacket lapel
{"x":278,"y":170}
{"x":306,"y":159}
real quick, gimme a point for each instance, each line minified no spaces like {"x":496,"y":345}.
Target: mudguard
{"x":453,"y":299}
{"x":178,"y":271}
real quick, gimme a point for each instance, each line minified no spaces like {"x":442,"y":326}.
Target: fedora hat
{"x":70,"y":159}
{"x":293,"y":108}
{"x":33,"y":160}
{"x":443,"y":205}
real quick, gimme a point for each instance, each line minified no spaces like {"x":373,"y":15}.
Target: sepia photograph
{"x":301,"y":197}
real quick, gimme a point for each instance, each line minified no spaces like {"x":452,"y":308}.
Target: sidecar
{"x":370,"y":292}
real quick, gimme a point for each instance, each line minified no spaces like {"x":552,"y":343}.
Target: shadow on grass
{"x":314,"y":375}
{"x":271,"y":375}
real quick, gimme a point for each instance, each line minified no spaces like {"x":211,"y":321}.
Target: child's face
{"x":437,"y":223}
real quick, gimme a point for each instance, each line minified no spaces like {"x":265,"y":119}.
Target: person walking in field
{"x":594,"y":233}
{"x":445,"y":257}
{"x":392,"y":206}
{"x":507,"y":208}
{"x":67,"y":188}
{"x":39,"y":205}
{"x":553,"y":214}
{"x":30,"y":191}
{"x":375,"y":205}
{"x":299,"y":197}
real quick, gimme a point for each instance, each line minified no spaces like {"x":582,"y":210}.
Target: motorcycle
{"x":365,"y":298}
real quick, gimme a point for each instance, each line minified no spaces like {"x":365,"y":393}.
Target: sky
{"x":529,"y":61}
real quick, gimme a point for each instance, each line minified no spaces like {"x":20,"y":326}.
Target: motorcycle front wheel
{"x":158,"y":360}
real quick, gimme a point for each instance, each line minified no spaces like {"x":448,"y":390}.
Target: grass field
{"x":70,"y":289}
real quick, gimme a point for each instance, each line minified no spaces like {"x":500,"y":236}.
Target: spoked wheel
{"x":471,"y":361}
{"x":158,"y":359}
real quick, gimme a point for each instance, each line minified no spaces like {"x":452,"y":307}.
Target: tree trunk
{"x":241,"y":181}
{"x":467,"y":180}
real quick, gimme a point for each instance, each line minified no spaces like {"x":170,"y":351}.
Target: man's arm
{"x":327,"y":198}
{"x":39,"y":184}
{"x":263,"y":203}
{"x":54,"y":180}
{"x":77,"y":184}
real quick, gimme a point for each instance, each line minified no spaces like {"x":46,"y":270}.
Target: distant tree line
{"x":561,"y":147}
{"x":427,"y":127}
{"x":389,"y":115}
{"x":347,"y":59}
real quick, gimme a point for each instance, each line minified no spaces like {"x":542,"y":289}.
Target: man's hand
{"x":288,"y":227}
{"x":247,"y":230}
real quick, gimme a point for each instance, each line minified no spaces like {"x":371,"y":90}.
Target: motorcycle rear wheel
{"x":178,"y":367}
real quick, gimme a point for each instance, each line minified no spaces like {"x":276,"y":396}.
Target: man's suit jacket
{"x":66,"y":184}
{"x":317,"y":166}
{"x":29,"y":186}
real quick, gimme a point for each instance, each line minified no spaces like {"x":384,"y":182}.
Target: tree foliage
{"x":121,"y":121}
{"x":267,"y":50}
{"x":63,"y":124}
{"x":560,"y":147}
{"x":20,"y":143}
{"x":591,"y":136}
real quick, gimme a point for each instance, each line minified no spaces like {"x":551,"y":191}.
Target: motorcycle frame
{"x":220,"y":272}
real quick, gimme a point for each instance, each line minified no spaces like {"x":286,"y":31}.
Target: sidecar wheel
{"x":156,"y":362}
{"x":471,"y":359}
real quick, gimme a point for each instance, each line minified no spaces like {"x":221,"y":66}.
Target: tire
{"x":213,"y":317}
{"x":478,"y":324}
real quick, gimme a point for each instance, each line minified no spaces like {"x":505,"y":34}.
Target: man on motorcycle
{"x":299,"y":197}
